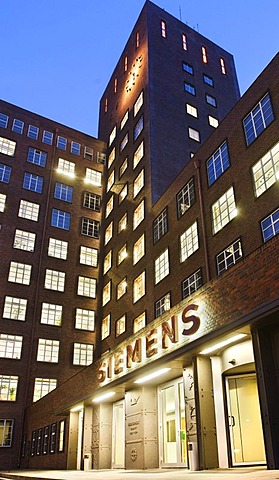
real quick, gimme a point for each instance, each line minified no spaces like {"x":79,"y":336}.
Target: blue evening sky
{"x":58,"y":55}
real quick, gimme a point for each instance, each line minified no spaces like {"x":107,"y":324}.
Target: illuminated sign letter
{"x":190,"y":318}
{"x":102,"y":372}
{"x":118,"y":362}
{"x":150,"y":342}
{"x":134,"y":354}
{"x":169,"y":332}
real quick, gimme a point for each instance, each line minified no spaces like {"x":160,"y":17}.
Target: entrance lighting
{"x":103,"y":397}
{"x":223,"y":344}
{"x":152,"y":375}
{"x":77,"y":409}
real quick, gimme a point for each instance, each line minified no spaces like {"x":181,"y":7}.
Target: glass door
{"x":246,"y":436}
{"x":172,"y":424}
{"x":118,"y":435}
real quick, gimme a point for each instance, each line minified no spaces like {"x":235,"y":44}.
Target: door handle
{"x":232,"y":423}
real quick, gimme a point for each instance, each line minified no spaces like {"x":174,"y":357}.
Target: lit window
{"x":270,"y":225}
{"x":85,"y":319}
{"x":139,"y":322}
{"x":258,"y":119}
{"x":5,"y":173}
{"x":189,"y":88}
{"x":218,"y":163}
{"x":124,"y":120}
{"x":4,"y":120}
{"x":51,"y":314}
{"x":2,"y":202}
{"x":189,"y":242}
{"x":6,"y":432}
{"x":106,"y":293}
{"x":112,"y":136}
{"x":10,"y":346}
{"x":139,"y":249}
{"x":138,"y":103}
{"x":229,"y":256}
{"x":108,"y":233}
{"x":20,"y":273}
{"x":162,"y":268}
{"x":61,"y":142}
{"x":52,"y":440}
{"x":124,"y":142}
{"x":7,"y":147}
{"x":65,"y":167}
{"x":63,"y":192}
{"x":224,"y":210}
{"x":107,"y":262}
{"x":47,"y":137}
{"x":137,"y":40}
{"x":75,"y":148}
{"x":110,"y":181}
{"x":211,"y":100}
{"x":42,"y":387}
{"x":266,"y":171}
{"x":191,"y":110}
{"x":194,"y":134}
{"x":88,"y":256}
{"x":17,"y":126}
{"x":123,"y":193}
{"x":122,"y":254}
{"x":163,"y":29}
{"x":90,"y":227}
{"x":15,"y":308}
{"x":213,"y":122}
{"x":87,"y":287}
{"x":54,"y":280}
{"x":94,"y":177}
{"x":208,"y":80}
{"x":106,"y":105}
{"x":88,"y":153}
{"x":8,"y":390}
{"x":101,"y":158}
{"x":139,"y":287}
{"x":61,"y":436}
{"x":48,"y":350}
{"x":92,"y":201}
{"x":29,"y":210}
{"x":111,"y":157}
{"x":162,"y":305}
{"x":184,"y":41}
{"x":204,"y":55}
{"x":138,"y":183}
{"x":109,"y":206}
{"x":121,"y":288}
{"x":105,"y":327}
{"x":37,"y":157}
{"x":160,"y":225}
{"x":188,"y":68}
{"x":33,"y":132}
{"x":125,"y":63}
{"x":115,"y":85}
{"x":33,"y":182}
{"x":138,"y":215}
{"x":122,"y":224}
{"x":24,"y":240}
{"x":120,"y":326}
{"x":185,"y":198}
{"x":138,"y":155}
{"x":223,"y":66}
{"x":60,"y":219}
{"x":57,"y":248}
{"x":191,"y":284}
{"x":83,"y":354}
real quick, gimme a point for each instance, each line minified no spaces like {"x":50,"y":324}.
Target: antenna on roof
{"x":180,"y":16}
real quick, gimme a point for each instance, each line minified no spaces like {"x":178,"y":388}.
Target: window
{"x":191,"y":110}
{"x":185,"y":198}
{"x":213,"y":122}
{"x":137,"y":40}
{"x":139,"y":287}
{"x":208,"y":80}
{"x":83,"y":354}
{"x":33,"y":132}
{"x":109,"y":206}
{"x":90,"y":227}
{"x":63,"y":192}
{"x":115,"y":85}
{"x":87,"y":287}
{"x":60,"y":219}
{"x":122,"y":254}
{"x":8,"y":388}
{"x":92,"y":201}
{"x":270,"y":225}
{"x":189,"y":88}
{"x":223,"y":66}
{"x":123,"y":167}
{"x":121,"y":288}
{"x":163,"y":29}
{"x":33,"y":443}
{"x":66,"y":168}
{"x":51,"y":314}
{"x":106,"y":293}
{"x":4,"y":120}
{"x":61,"y":142}
{"x":5,"y":173}
{"x":10,"y":346}
{"x":224,"y":210}
{"x":42,"y":387}
{"x":45,"y":440}
{"x":47,"y":137}
{"x":101,"y":158}
{"x":138,"y":103}
{"x":138,"y":183}
{"x":124,"y":142}
{"x":204,"y":55}
{"x":61,"y":436}
{"x":139,"y":249}
{"x":39,"y":441}
{"x":48,"y":350}
{"x":188,"y":68}
{"x":258,"y":119}
{"x":55,"y":280}
{"x":189,"y":242}
{"x":162,"y":268}
{"x":266,"y":171}
{"x":105,"y":327}
{"x":111,"y":157}
{"x":7,"y":147}
{"x":15,"y":308}
{"x":120,"y":325}
{"x":75,"y":148}
{"x":139,"y":322}
{"x":138,"y":155}
{"x":107,"y":262}
{"x":218,"y":163}
{"x":106,"y":105}
{"x":138,"y":215}
{"x":85,"y":319}
{"x":125,"y":63}
{"x":194,"y":134}
{"x":229,"y":256}
{"x":20,"y":273}
{"x":160,"y":225}
{"x":17,"y":126}
{"x":29,"y":210}
{"x":24,"y":240}
{"x":191,"y":284}
{"x":123,"y":193}
{"x":57,"y":248}
{"x":122,"y":224}
{"x":184,"y":41}
{"x":33,"y":182}
{"x":108,"y":233}
{"x":211,"y":100}
{"x":110,"y":181}
{"x":52,"y":439}
{"x":37,"y":157}
{"x":93,"y":176}
{"x":88,"y":153}
{"x":6,"y":432}
{"x":2,"y":202}
{"x":112,"y":136}
{"x":162,"y":305}
{"x":88,"y":256}
{"x":124,"y":120}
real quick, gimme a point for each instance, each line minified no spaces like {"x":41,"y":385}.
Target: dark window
{"x":92,"y":201}
{"x":258,"y":119}
{"x":185,"y":198}
{"x":218,"y":163}
{"x":160,"y":225}
{"x":270,"y":225}
{"x":191,"y":284}
{"x":188,"y":68}
{"x":189,"y":88}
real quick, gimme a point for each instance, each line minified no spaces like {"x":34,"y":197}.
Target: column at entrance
{"x":102,"y":436}
{"x":141,"y":428}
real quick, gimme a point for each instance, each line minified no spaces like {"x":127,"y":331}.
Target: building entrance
{"x":172,"y":425}
{"x":118,"y":435}
{"x":244,"y":420}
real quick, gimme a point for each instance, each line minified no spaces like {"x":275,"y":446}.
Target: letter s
{"x":190,"y":318}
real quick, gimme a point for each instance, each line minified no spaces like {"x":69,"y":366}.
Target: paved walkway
{"x":179,"y":474}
